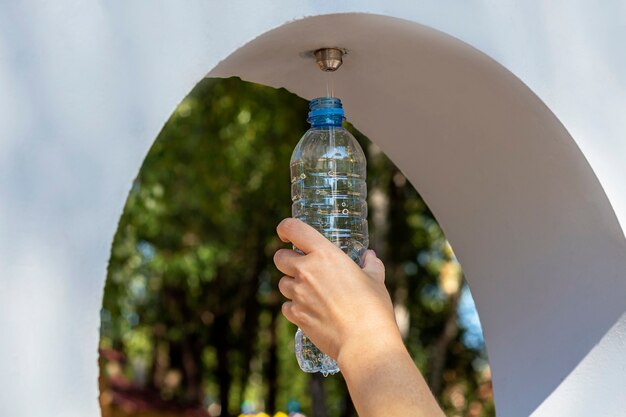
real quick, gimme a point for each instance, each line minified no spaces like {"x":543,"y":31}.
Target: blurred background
{"x":191,"y":322}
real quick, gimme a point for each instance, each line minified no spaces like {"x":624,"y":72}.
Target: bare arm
{"x":347,"y":312}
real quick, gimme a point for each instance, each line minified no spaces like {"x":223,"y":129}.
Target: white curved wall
{"x":85,"y":88}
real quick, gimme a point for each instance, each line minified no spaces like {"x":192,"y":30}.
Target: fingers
{"x":285,"y":286}
{"x":285,"y":260}
{"x":287,"y":310}
{"x":373,"y":266}
{"x":295,"y":314}
{"x":303,"y":236}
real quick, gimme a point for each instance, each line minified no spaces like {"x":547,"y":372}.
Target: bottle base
{"x":311,"y":359}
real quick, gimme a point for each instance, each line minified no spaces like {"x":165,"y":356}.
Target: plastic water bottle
{"x":328,"y":191}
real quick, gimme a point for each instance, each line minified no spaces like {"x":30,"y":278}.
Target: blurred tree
{"x":191,"y":301}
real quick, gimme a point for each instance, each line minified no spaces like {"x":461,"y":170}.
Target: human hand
{"x":336,"y":303}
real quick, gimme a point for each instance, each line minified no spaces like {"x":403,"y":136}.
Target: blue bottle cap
{"x":329,"y":108}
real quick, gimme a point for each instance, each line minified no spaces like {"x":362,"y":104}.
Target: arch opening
{"x":190,"y":319}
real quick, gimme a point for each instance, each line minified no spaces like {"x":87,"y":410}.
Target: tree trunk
{"x":318,"y":396}
{"x":271,"y":375}
{"x":223,"y":373}
{"x":192,"y":370}
{"x":251,"y":305}
{"x":160,"y":364}
{"x":437,"y":360}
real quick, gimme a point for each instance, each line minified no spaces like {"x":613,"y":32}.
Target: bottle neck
{"x":326,"y":112}
{"x":326,"y":121}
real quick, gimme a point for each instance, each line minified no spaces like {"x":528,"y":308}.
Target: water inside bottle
{"x":329,"y":193}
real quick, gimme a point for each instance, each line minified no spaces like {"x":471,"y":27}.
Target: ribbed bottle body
{"x":329,"y":192}
{"x":328,"y":188}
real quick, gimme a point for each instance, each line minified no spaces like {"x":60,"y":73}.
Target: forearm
{"x":384,"y":381}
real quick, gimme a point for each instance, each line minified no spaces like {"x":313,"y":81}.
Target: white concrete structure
{"x":507,"y":117}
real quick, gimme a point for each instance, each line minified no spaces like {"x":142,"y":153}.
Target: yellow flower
{"x":280,"y":414}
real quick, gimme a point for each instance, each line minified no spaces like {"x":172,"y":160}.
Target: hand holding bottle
{"x":333,"y":300}
{"x":348,"y":314}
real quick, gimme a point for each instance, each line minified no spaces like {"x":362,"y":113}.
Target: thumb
{"x":373,"y":266}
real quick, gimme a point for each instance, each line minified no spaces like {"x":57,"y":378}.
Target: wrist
{"x":369,"y":347}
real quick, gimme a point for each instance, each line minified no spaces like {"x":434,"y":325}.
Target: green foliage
{"x":191,"y":296}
